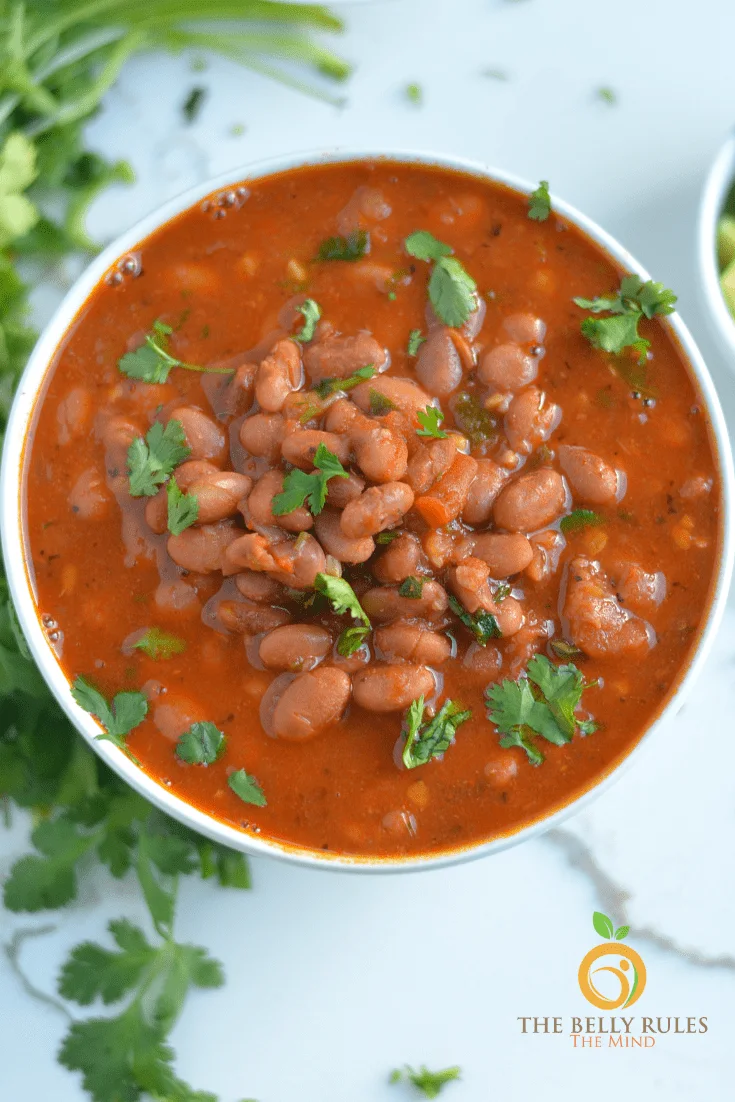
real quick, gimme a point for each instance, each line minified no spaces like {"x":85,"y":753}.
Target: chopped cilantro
{"x":201,"y":744}
{"x":341,"y":596}
{"x":300,"y":487}
{"x":477,"y":423}
{"x":152,"y":362}
{"x":247,"y":788}
{"x":430,"y":419}
{"x":539,"y":203}
{"x":542,"y":703}
{"x":351,"y":639}
{"x":634,"y":301}
{"x":415,"y":340}
{"x":430,"y":1083}
{"x":153,"y":460}
{"x":119,"y":717}
{"x":502,"y":591}
{"x":482,"y":624}
{"x":312,"y":312}
{"x":411,"y":587}
{"x":159,"y":644}
{"x":562,"y":648}
{"x":380,"y":404}
{"x":451,"y":288}
{"x":425,"y":741}
{"x":193,"y":104}
{"x":352,"y":247}
{"x":182,"y":509}
{"x":608,"y":96}
{"x":325,"y":388}
{"x":580,"y":518}
{"x":414,"y":94}
{"x":388,"y":537}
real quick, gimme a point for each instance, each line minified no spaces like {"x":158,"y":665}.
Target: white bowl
{"x":719,"y":181}
{"x":11,"y":492}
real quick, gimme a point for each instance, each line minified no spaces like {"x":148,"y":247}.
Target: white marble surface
{"x":326,"y":991}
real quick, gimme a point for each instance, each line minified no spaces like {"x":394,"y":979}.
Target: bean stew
{"x":370,"y":509}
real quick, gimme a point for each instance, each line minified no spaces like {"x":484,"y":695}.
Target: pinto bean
{"x":484,"y":488}
{"x":408,"y":398}
{"x":186,"y":476}
{"x":258,"y":587}
{"x":366,"y":205}
{"x":411,"y":643}
{"x":385,"y":604}
{"x":156,"y":512}
{"x":401,"y":559}
{"x":438,"y":364}
{"x":205,"y":438}
{"x":300,"y":447}
{"x":203,"y":549}
{"x":89,"y":496}
{"x":637,"y":588}
{"x":429,"y":462}
{"x":391,"y":688}
{"x":311,"y":703}
{"x":507,"y":367}
{"x":378,"y":508}
{"x":247,"y":617}
{"x":530,"y":420}
{"x":74,"y":414}
{"x":525,"y":328}
{"x":504,"y":554}
{"x":295,"y":647}
{"x":193,"y":470}
{"x":469,"y":582}
{"x":381,"y":455}
{"x":531,"y":501}
{"x":218,"y":495}
{"x":263,"y":434}
{"x":593,"y":481}
{"x":259,"y":506}
{"x":336,"y":357}
{"x":174,"y":713}
{"x":341,"y":491}
{"x":344,"y":548}
{"x":278,"y":375}
{"x":547,"y":547}
{"x":117,"y":435}
{"x":250,"y":552}
{"x":597,"y":623}
{"x":445,"y":500}
{"x":343,"y":416}
{"x":299,"y":561}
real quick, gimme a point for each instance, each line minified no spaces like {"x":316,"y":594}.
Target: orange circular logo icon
{"x":624,"y":974}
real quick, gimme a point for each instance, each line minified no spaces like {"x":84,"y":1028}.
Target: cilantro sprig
{"x":430,"y":1083}
{"x":182,"y":510}
{"x":153,"y":362}
{"x":311,"y":311}
{"x":300,"y":486}
{"x":118,"y":717}
{"x":451,"y":288}
{"x":351,"y":247}
{"x":415,"y":340}
{"x":579,"y":519}
{"x":343,"y":599}
{"x":539,"y":203}
{"x":542,"y":703}
{"x":430,"y":419}
{"x":201,"y":744}
{"x":425,"y":741}
{"x":483,"y":625}
{"x":246,"y":788}
{"x":628,"y":306}
{"x":151,"y":461}
{"x":325,"y":388}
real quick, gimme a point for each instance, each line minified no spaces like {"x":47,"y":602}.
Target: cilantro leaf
{"x":380,"y":404}
{"x":157,"y":643}
{"x":341,"y":596}
{"x":201,"y":744}
{"x":182,"y":509}
{"x":411,"y":587}
{"x":482,"y":624}
{"x":451,"y":288}
{"x":312,"y":312}
{"x":93,"y":972}
{"x":580,"y":518}
{"x":634,"y":301}
{"x":425,"y":741}
{"x":415,"y":340}
{"x":152,"y":362}
{"x":193,"y":103}
{"x":430,"y":419}
{"x":539,"y":203}
{"x":388,"y":537}
{"x":430,"y":1083}
{"x":300,"y":486}
{"x":562,"y":648}
{"x":414,"y":93}
{"x":352,"y":247}
{"x":477,"y":423}
{"x":518,"y":712}
{"x":126,"y":711}
{"x":325,"y":388}
{"x":153,"y":460}
{"x":247,"y":788}
{"x":351,"y":639}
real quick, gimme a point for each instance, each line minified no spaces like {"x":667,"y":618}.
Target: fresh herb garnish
{"x":414,"y":93}
{"x":415,"y":340}
{"x":152,"y":362}
{"x":342,"y":598}
{"x":539,"y":202}
{"x":182,"y":509}
{"x":634,"y":301}
{"x":388,"y":537}
{"x":562,"y":648}
{"x":430,"y":1083}
{"x":542,"y":703}
{"x":351,"y":639}
{"x":352,"y":247}
{"x":119,"y":717}
{"x":451,"y":288}
{"x":411,"y":587}
{"x":159,"y":644}
{"x":193,"y":104}
{"x":325,"y":388}
{"x":482,"y":624}
{"x":477,"y":424}
{"x":247,"y":788}
{"x":430,"y":419}
{"x":425,"y":741}
{"x":380,"y":404}
{"x":202,"y":744}
{"x":580,"y":518}
{"x":312,"y":312}
{"x":607,"y":95}
{"x":503,"y":590}
{"x":300,"y":487}
{"x":153,"y":460}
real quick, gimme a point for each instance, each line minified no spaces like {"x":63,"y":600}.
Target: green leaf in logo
{"x":602,"y":924}
{"x":621,"y":932}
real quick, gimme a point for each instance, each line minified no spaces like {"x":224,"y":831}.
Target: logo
{"x":612,"y":976}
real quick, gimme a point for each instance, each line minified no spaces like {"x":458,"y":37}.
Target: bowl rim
{"x":719,"y":181}
{"x":12,"y":491}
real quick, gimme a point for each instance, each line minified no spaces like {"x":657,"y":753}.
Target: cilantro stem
{"x":173,"y":362}
{"x":12,"y":950}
